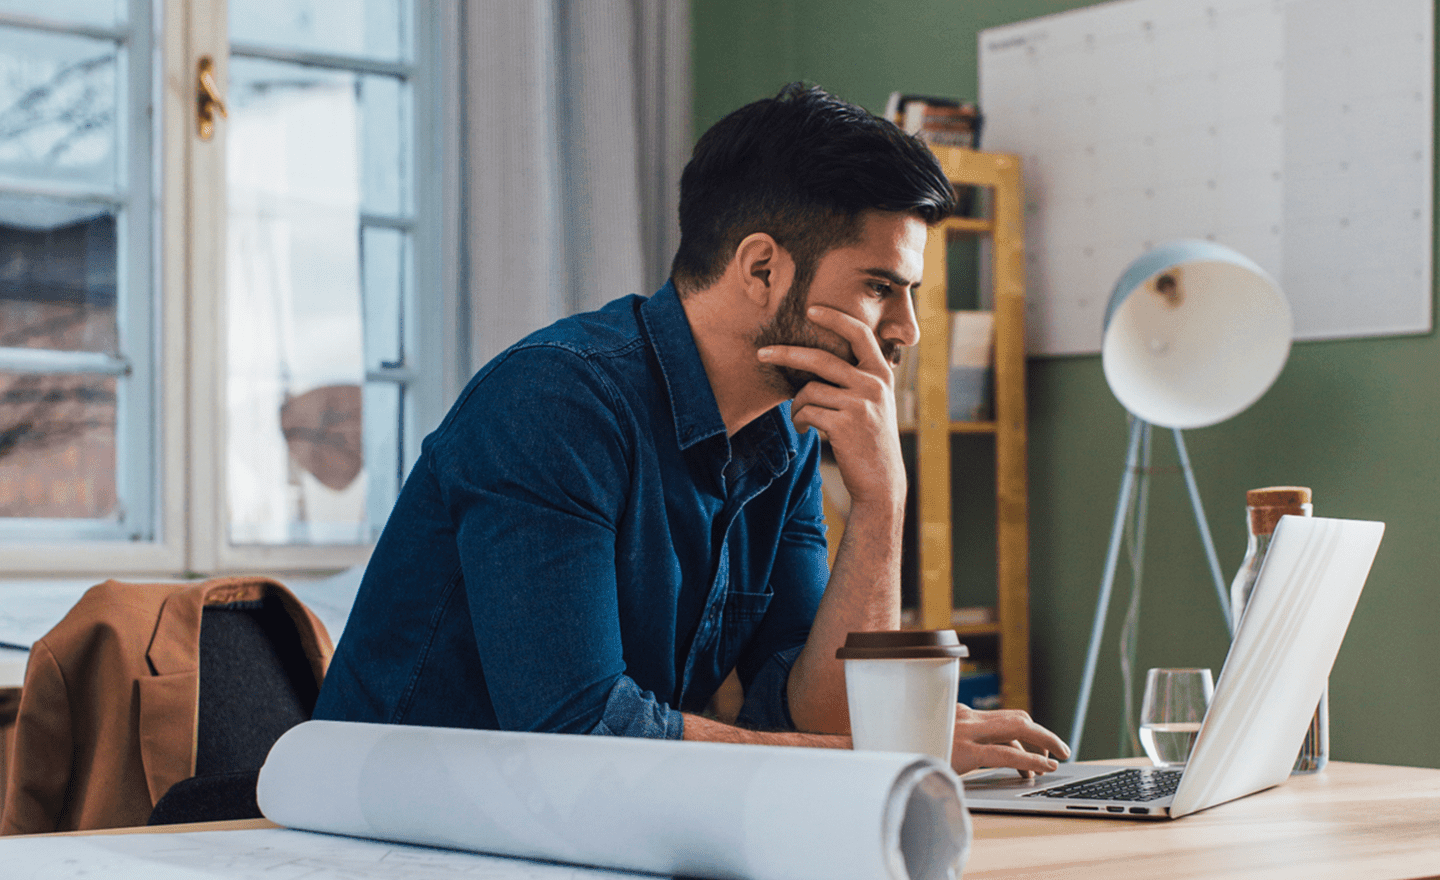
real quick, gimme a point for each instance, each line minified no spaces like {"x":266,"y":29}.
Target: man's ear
{"x":766,"y":270}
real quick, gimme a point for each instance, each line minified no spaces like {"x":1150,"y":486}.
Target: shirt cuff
{"x":630,"y":711}
{"x":767,"y":701}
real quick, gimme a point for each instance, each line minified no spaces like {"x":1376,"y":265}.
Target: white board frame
{"x":1298,"y":132}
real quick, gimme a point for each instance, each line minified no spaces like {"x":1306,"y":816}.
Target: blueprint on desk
{"x":271,"y":854}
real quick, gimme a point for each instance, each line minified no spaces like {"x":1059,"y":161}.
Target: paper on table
{"x":707,"y":810}
{"x":263,"y":854}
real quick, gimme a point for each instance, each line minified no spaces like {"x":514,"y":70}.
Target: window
{"x":76,"y":355}
{"x":219,"y":354}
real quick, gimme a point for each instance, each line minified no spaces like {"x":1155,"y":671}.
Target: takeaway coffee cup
{"x":901,"y":687}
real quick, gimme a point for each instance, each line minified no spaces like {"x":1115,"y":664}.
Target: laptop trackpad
{"x":1006,"y":781}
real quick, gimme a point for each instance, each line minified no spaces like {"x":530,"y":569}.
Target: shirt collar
{"x":692,"y":402}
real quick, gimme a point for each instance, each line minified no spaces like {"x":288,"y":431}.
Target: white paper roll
{"x":707,"y":810}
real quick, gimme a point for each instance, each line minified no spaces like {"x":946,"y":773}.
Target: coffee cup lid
{"x":903,"y":644}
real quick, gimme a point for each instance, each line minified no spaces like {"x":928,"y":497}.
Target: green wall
{"x":1355,"y":420}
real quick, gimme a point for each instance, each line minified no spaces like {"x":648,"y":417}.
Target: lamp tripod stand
{"x":1132,"y":504}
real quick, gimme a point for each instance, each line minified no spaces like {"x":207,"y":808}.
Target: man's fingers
{"x":1004,"y":726}
{"x":997,"y":755}
{"x":1005,"y":738}
{"x":834,"y":397}
{"x":1024,"y":774}
{"x":822,"y":363}
{"x":854,"y":407}
{"x":867,"y":351}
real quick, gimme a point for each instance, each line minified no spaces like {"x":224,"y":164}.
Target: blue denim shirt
{"x":580,"y":547}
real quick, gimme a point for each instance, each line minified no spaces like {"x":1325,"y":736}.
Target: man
{"x":623,"y":507}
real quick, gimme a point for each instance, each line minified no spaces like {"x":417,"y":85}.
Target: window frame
{"x":186,"y":467}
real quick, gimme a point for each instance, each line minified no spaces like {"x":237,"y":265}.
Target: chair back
{"x":255,"y":684}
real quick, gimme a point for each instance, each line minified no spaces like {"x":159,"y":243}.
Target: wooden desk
{"x":1363,"y":821}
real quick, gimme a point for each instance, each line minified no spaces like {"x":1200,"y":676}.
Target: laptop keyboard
{"x":1139,"y":784}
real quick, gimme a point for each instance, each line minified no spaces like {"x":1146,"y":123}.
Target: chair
{"x":255,"y":684}
{"x":146,"y":693}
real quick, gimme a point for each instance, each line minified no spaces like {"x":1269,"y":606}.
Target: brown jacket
{"x":109,"y":708}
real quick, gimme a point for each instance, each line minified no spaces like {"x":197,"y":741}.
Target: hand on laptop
{"x":1003,"y":738}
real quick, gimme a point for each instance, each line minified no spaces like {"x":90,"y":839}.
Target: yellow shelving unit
{"x":998,"y":173}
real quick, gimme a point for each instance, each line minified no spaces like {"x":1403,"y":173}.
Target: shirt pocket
{"x":742,"y":615}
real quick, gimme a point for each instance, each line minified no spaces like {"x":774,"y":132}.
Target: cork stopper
{"x":1267,"y":505}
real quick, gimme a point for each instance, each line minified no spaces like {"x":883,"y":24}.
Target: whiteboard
{"x":1298,"y":132}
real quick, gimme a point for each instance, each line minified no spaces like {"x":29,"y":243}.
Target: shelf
{"x":955,"y":428}
{"x":1005,"y":271}
{"x":962,"y":620}
{"x":964,"y":629}
{"x":978,"y":629}
{"x":969,"y":227}
{"x":972,"y":427}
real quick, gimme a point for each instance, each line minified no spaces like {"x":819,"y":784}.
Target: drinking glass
{"x":1171,"y":712}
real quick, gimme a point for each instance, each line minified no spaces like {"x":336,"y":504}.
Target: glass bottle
{"x":1263,"y":509}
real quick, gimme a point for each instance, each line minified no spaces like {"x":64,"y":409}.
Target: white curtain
{"x":577,"y":127}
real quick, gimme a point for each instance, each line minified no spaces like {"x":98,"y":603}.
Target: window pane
{"x":383,"y":418}
{"x":57,"y":283}
{"x":104,"y":13}
{"x":58,"y":107}
{"x":76,"y":274}
{"x":374,"y":29}
{"x":385,"y":147}
{"x":296,"y":468}
{"x":57,"y":446}
{"x":385,"y":274}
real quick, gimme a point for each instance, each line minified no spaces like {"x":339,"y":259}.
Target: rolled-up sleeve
{"x":767,"y":705}
{"x":630,"y":711}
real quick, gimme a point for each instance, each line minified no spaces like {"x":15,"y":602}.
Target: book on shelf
{"x":906,"y":375}
{"x":945,"y":121}
{"x":970,"y":376}
{"x":972,"y":365}
{"x":975,"y":615}
{"x":980,"y":689}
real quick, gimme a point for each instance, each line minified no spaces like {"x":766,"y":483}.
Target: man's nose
{"x":899,"y":324}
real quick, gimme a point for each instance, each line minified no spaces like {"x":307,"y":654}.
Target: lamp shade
{"x":1194,"y":334}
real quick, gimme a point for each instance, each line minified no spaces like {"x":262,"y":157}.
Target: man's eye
{"x":880,"y":288}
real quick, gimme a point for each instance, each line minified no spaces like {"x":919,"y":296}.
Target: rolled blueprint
{"x":705,"y":810}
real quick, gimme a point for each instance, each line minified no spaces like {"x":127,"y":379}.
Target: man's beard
{"x":791,"y":327}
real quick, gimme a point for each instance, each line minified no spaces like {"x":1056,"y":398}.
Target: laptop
{"x":1268,"y":689}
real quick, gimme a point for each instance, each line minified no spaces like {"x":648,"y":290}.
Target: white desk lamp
{"x":1194,"y":334}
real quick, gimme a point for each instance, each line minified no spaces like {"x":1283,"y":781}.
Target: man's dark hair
{"x":801,"y":166}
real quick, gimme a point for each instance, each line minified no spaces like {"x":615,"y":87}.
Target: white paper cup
{"x":901,"y":689}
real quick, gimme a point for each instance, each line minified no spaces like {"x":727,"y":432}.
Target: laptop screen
{"x":1280,"y":659}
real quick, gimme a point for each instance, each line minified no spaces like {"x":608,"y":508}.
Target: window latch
{"x":207,"y":98}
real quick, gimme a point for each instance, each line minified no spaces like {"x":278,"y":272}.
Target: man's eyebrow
{"x":893,"y":277}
